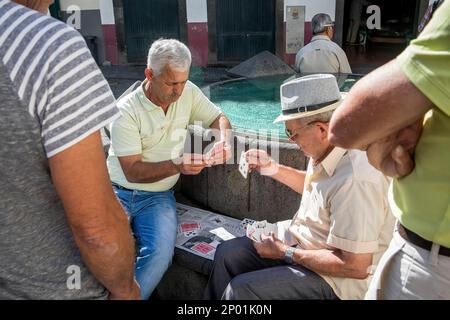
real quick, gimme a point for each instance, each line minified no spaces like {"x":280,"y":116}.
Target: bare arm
{"x":138,"y":171}
{"x":223,"y":124}
{"x":260,"y":161}
{"x":380,"y":104}
{"x":335,"y":263}
{"x":221,"y":151}
{"x":98,"y":222}
{"x":293,"y":178}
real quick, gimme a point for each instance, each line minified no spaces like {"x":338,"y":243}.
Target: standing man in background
{"x":322,"y":55}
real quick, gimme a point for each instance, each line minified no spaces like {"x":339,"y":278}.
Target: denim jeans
{"x":153,"y":219}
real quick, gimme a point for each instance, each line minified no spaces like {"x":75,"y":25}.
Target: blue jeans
{"x":153,"y":219}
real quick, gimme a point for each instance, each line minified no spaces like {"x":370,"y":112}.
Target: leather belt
{"x":419,"y":241}
{"x":120,"y":187}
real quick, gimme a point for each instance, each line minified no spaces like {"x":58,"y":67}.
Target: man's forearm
{"x":329,"y":263}
{"x":149,"y":172}
{"x":368,"y":115}
{"x":293,"y":178}
{"x":224,"y":126}
{"x":109,"y":253}
{"x":98,"y":222}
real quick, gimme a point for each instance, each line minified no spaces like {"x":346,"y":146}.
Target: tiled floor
{"x":365,"y":59}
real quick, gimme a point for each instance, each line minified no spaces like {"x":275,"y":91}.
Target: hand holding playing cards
{"x":270,"y":247}
{"x":219,"y":154}
{"x":191,"y":164}
{"x":260,"y":161}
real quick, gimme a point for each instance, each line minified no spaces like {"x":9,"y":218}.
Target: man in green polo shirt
{"x":146,"y":154}
{"x":400,"y":113}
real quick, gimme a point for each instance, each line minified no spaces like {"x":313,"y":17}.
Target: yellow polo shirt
{"x":144,"y":129}
{"x":421,"y":201}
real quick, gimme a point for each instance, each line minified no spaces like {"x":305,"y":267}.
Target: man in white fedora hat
{"x":343,"y":224}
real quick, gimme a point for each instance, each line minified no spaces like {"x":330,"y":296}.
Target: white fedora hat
{"x":308,"y":96}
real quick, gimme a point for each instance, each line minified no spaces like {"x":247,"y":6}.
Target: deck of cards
{"x":245,"y":222}
{"x":243,"y":165}
{"x":211,"y":155}
{"x":256,"y":229}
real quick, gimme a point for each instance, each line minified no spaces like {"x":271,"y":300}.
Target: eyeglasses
{"x":292,"y":135}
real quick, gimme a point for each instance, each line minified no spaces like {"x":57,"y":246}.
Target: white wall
{"x":197,"y":11}
{"x":107,"y":11}
{"x":313,"y":7}
{"x":83,"y":4}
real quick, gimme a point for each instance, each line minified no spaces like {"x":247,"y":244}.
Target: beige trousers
{"x":407,"y":272}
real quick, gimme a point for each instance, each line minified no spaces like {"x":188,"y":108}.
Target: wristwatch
{"x":289,"y":255}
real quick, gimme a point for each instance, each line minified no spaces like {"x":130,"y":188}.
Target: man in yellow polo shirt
{"x":400,"y":113}
{"x":146,"y":154}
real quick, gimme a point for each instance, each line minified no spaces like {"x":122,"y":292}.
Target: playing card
{"x":211,"y":155}
{"x":191,"y":233}
{"x":203,"y":247}
{"x":243,"y":165}
{"x":256,"y":229}
{"x":222,"y":233}
{"x":246,"y":222}
{"x":185,"y":227}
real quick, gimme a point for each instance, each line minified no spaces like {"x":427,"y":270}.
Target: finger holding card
{"x":243,"y":165}
{"x":219,"y":154}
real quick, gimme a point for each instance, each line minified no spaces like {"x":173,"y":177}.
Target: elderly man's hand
{"x":270,"y":247}
{"x":191,"y":164}
{"x":394,"y":155}
{"x":260,"y":161}
{"x":219,"y":154}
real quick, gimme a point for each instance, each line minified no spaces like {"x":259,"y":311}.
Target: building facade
{"x":218,"y":32}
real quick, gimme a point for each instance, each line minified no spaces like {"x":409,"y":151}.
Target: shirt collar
{"x":331,"y":161}
{"x":143,"y":98}
{"x":320,"y":37}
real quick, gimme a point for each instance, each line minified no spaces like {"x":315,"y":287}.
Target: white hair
{"x":320,"y":22}
{"x":168,"y":52}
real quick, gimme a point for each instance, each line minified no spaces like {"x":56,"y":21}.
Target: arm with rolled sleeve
{"x":357,"y":214}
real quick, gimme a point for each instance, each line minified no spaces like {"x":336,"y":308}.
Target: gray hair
{"x":168,"y":52}
{"x":320,"y":22}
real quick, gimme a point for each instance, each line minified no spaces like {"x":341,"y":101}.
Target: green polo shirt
{"x":144,"y":129}
{"x":421,"y":201}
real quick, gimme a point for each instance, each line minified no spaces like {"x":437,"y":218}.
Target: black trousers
{"x":239,"y":273}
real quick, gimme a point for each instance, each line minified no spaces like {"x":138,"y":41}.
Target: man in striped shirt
{"x":63,"y":234}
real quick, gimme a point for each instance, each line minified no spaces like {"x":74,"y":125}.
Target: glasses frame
{"x":292,"y":136}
